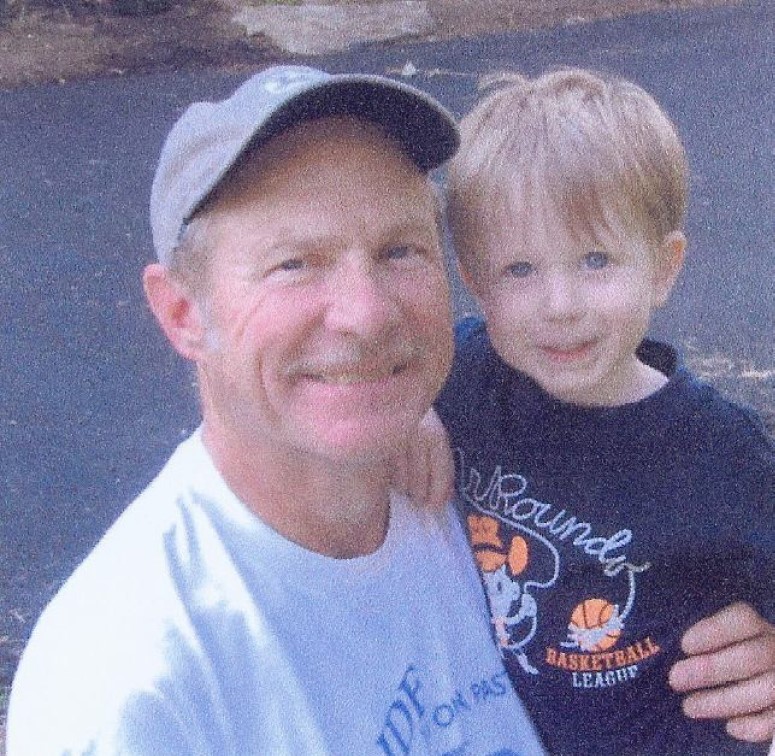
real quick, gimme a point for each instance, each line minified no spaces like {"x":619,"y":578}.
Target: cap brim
{"x":425,"y":130}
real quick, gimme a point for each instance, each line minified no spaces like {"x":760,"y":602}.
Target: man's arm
{"x":730,"y":672}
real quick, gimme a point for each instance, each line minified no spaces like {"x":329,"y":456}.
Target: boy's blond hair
{"x":599,"y":149}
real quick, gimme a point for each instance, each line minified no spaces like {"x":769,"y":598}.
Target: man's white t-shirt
{"x":193,"y":628}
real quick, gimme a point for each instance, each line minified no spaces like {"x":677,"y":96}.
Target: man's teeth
{"x":359,"y":376}
{"x":344,"y":379}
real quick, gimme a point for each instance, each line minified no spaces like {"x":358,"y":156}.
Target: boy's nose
{"x":562,"y":298}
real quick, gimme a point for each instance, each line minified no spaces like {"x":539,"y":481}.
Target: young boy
{"x":612,"y":499}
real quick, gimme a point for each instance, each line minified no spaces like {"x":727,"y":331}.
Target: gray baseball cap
{"x":209,"y":138}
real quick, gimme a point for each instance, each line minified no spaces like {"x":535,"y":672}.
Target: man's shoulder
{"x":108,"y":633}
{"x":112,"y":596}
{"x":99,"y":639}
{"x":117,"y":595}
{"x":135,"y":545}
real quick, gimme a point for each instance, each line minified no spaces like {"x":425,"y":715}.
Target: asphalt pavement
{"x":92,"y":400}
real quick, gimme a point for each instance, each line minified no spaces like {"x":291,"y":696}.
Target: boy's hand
{"x":731,"y":669}
{"x":424,"y":469}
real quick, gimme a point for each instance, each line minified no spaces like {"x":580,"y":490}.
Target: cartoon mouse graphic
{"x":513,"y":608}
{"x":503,"y":594}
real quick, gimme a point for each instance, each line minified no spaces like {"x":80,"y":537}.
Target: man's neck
{"x":338,"y":510}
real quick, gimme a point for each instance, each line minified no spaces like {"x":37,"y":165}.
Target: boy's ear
{"x":175,"y":309}
{"x":669,"y":261}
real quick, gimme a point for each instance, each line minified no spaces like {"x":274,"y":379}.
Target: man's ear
{"x":668,"y":263}
{"x":175,"y":309}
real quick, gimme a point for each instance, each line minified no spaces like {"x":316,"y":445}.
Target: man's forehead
{"x":304,"y":148}
{"x":310,"y":140}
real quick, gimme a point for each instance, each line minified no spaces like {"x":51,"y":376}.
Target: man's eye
{"x":399,"y":251}
{"x":292,"y":263}
{"x":596,"y":260}
{"x":520,"y":269}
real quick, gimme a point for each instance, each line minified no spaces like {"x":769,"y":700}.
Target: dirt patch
{"x":77,"y":41}
{"x":59,"y":40}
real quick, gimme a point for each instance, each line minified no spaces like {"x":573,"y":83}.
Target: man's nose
{"x":362,"y":300}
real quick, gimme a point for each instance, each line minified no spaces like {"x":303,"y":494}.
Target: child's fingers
{"x":429,"y":464}
{"x":740,"y":661}
{"x":433,"y":473}
{"x":732,"y":624}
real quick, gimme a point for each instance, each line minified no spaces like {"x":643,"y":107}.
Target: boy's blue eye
{"x":520,"y":269}
{"x":596,"y":260}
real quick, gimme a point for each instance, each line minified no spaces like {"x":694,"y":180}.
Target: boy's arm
{"x":424,"y":468}
{"x":730,"y":672}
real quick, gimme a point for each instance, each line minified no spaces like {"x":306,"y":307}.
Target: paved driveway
{"x":91,"y":399}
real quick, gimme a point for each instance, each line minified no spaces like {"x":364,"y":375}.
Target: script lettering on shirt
{"x":479,"y":692}
{"x":488,"y":688}
{"x":444,"y":714}
{"x":503,"y":496}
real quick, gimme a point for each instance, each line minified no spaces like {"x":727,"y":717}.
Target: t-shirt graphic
{"x":519,"y":544}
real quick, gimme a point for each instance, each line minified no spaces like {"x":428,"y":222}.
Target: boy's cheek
{"x":511,"y":345}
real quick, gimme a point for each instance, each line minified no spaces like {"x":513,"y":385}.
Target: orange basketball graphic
{"x":595,"y":624}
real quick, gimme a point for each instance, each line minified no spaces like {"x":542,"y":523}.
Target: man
{"x":268,"y":593}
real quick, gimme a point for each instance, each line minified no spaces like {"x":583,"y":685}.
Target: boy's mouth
{"x":567,"y":353}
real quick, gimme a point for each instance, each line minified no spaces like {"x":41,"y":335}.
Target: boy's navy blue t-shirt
{"x":602,"y":535}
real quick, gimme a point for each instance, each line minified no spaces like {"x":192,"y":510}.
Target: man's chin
{"x":365,"y":445}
